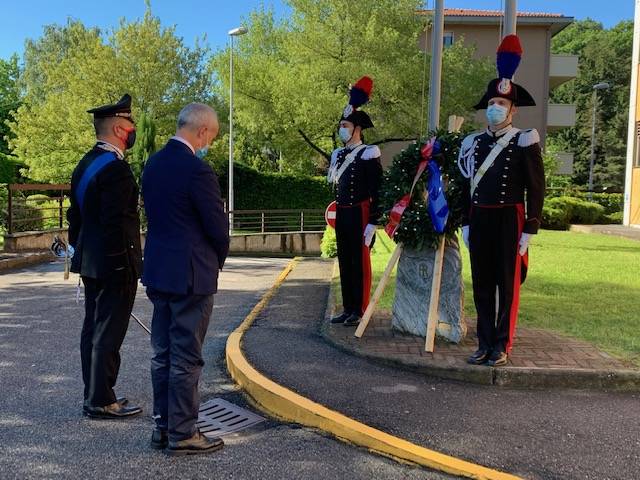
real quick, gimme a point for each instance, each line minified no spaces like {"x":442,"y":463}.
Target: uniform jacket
{"x":188,"y":231}
{"x":516,"y":176}
{"x":106,"y":233}
{"x":361,"y":180}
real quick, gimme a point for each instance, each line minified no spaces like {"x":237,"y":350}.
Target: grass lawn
{"x":583,"y":285}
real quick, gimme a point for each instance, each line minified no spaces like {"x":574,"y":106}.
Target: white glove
{"x":465,"y":235}
{"x":369,"y":232}
{"x":524,"y":243}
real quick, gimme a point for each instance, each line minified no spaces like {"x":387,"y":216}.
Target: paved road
{"x":42,"y":431}
{"x":535,"y":434}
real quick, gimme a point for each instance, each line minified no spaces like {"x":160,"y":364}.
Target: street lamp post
{"x":596,"y":87}
{"x":232,"y":33}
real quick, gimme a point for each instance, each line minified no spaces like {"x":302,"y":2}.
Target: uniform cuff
{"x":531,"y":226}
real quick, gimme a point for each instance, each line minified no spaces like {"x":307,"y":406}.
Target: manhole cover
{"x":218,"y":417}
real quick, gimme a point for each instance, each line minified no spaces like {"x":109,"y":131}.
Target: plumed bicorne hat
{"x":507,"y":60}
{"x":359,"y":95}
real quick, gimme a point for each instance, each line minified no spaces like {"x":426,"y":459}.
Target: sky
{"x":21,"y":20}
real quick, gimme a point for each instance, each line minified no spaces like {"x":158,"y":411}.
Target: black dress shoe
{"x":113,"y":411}
{"x":498,"y":359}
{"x":121,"y":400}
{"x":340,"y":318}
{"x":352,"y":320}
{"x":194,"y":445}
{"x":480,"y":357}
{"x":159,"y":439}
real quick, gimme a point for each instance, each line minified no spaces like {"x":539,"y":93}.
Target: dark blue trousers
{"x":107,"y":308}
{"x":178,"y":329}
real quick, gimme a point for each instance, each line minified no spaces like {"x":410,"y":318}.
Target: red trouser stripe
{"x":515,"y":302}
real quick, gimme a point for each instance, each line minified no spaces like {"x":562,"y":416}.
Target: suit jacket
{"x":188,"y":231}
{"x":106,"y":233}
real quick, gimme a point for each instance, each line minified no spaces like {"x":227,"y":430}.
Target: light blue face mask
{"x":202,"y":152}
{"x":497,"y":114}
{"x":345,"y":134}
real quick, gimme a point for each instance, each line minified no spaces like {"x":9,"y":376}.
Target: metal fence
{"x":43,"y":207}
{"x":270,"y":221}
{"x":36,"y":207}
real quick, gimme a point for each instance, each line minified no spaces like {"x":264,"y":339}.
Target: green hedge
{"x":554,"y":218}
{"x":612,"y":202}
{"x":613,"y":218}
{"x":560,"y":212}
{"x":274,"y":191}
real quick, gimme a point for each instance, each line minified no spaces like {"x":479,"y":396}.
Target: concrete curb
{"x":25,"y":261}
{"x":288,"y":405}
{"x":513,"y":377}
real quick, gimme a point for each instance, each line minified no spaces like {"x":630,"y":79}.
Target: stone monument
{"x":413,"y":289}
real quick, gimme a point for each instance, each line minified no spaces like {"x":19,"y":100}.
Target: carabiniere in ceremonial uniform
{"x":504,"y":204}
{"x":356,"y":172}
{"x":104,"y":229}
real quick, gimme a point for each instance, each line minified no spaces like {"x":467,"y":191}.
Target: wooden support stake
{"x":434,"y":302}
{"x":382,"y":284}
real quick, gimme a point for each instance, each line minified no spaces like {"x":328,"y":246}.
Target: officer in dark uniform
{"x":104,"y":229}
{"x":356,"y":172}
{"x":506,"y":192}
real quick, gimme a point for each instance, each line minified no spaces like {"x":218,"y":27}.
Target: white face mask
{"x":345,"y":134}
{"x":497,"y":114}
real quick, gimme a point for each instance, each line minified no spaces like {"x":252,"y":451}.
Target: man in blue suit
{"x":186,"y":246}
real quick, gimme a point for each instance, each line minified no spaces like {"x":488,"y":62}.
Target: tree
{"x":605,"y":56}
{"x":72,"y":68}
{"x":9,"y":98}
{"x":292,"y":77}
{"x":145,"y":144}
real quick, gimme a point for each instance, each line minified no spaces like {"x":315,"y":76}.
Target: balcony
{"x":562,"y":68}
{"x":560,"y":116}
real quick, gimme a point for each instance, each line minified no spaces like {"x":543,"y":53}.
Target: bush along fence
{"x":42,"y":208}
{"x":34,"y":207}
{"x":275,"y":191}
{"x":560,"y":212}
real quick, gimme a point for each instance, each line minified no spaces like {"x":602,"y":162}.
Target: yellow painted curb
{"x":288,"y":405}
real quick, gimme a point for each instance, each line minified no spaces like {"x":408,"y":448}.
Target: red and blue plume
{"x":360,"y":92}
{"x":509,"y":56}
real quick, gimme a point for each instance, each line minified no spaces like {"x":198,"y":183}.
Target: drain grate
{"x":218,"y":417}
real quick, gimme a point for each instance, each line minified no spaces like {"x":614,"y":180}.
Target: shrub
{"x":329,"y":247}
{"x":612,"y":202}
{"x":26,"y":217}
{"x":577,"y":210}
{"x":255,"y":190}
{"x":554,"y":218}
{"x":37,"y":199}
{"x":613,"y":218}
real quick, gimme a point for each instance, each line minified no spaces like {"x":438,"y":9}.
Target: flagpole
{"x":437,"y":44}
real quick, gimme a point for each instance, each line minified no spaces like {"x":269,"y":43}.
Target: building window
{"x":636,"y":156}
{"x":448,"y":39}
